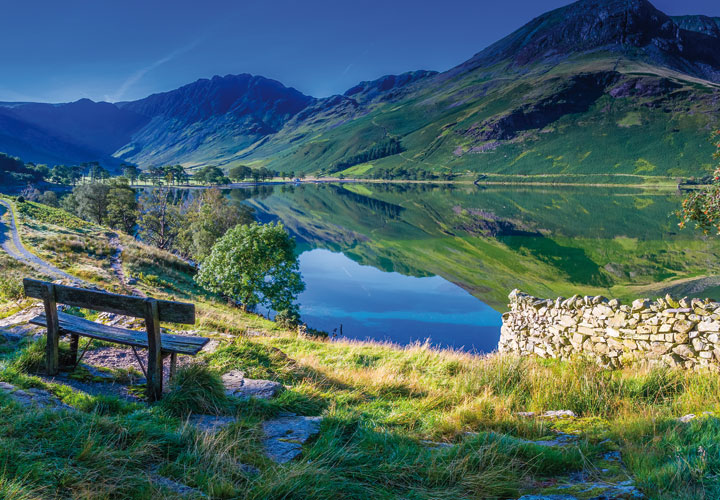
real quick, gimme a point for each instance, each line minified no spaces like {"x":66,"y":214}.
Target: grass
{"x":195,"y":389}
{"x":380,"y":404}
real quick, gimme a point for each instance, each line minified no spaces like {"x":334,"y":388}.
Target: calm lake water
{"x":406,"y":263}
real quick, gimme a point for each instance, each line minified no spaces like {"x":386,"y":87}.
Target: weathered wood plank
{"x":155,"y":359}
{"x":96,"y":300}
{"x":52,"y":358}
{"x":69,"y":324}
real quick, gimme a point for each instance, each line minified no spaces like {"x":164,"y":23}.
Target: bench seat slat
{"x":180,"y":344}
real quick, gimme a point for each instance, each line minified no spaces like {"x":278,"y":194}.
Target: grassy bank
{"x":389,"y":412}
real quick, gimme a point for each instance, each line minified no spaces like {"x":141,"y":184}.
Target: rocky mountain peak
{"x":632,"y":28}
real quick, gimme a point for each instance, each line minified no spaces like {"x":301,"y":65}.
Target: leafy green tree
{"x":160,"y":220}
{"x":131,"y":173}
{"x":702,"y":207}
{"x":98,"y":173}
{"x":205,"y":220}
{"x":211,"y":175}
{"x":92,"y":201}
{"x":256,"y":265}
{"x":122,"y":210}
{"x":50,"y":198}
{"x":240,"y":173}
{"x":69,"y":203}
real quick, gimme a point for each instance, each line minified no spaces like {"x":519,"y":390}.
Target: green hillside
{"x":468,"y":124}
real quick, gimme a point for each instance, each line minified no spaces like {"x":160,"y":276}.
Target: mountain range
{"x":596,"y":87}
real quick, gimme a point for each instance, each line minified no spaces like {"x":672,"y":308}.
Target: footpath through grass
{"x":389,"y":415}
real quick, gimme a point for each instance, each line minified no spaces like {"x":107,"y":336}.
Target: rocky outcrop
{"x":684,"y":333}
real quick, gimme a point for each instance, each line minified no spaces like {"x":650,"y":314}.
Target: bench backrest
{"x":128,"y":305}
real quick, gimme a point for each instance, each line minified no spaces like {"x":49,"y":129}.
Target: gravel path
{"x":10,"y":242}
{"x":116,"y":265}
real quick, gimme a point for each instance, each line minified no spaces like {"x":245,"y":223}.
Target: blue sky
{"x":57,"y":51}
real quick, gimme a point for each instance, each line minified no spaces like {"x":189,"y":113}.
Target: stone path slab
{"x":33,"y":397}
{"x":286,"y":435}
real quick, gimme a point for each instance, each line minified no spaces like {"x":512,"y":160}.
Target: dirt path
{"x":116,"y":265}
{"x":10,"y":243}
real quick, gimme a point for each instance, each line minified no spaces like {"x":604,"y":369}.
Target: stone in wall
{"x":675,"y":333}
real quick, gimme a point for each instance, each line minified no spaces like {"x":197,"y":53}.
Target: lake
{"x":410,"y":262}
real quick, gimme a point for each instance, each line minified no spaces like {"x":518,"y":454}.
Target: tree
{"x":122,"y":206}
{"x":702,"y":207}
{"x":239,"y":173}
{"x":205,"y":220}
{"x":131,"y":173}
{"x":256,"y":265}
{"x":211,"y":175}
{"x":50,"y":198}
{"x":92,"y":201}
{"x":159,"y":218}
{"x":98,"y":173}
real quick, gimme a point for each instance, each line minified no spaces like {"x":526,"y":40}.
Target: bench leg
{"x":74,"y":341}
{"x":53,"y":331}
{"x":155,"y":364}
{"x":173,"y":364}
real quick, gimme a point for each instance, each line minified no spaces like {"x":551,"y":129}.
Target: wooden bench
{"x":153,"y":311}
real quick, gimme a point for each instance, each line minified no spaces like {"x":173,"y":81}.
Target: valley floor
{"x":394,"y":423}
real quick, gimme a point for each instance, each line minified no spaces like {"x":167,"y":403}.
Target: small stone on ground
{"x":211,"y":423}
{"x":238,"y":386}
{"x":286,"y":435}
{"x":547,"y":497}
{"x":177,"y":488}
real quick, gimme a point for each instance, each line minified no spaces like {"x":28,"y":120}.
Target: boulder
{"x":238,"y":386}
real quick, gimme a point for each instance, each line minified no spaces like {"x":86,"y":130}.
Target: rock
{"x":671,"y":302}
{"x":684,"y":351}
{"x":640,"y":305}
{"x":33,"y":397}
{"x":435,"y":445}
{"x":687,"y":418}
{"x":286,"y":435}
{"x":526,"y":414}
{"x":21,"y":317}
{"x":559,"y":414}
{"x":211,"y":346}
{"x":683,"y":326}
{"x":179,"y":489}
{"x":547,"y":497}
{"x":9,"y":336}
{"x":560,"y":441}
{"x":238,"y":386}
{"x":680,"y":338}
{"x":210,"y":423}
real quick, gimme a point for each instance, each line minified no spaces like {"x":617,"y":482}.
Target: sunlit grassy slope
{"x":656,"y":133}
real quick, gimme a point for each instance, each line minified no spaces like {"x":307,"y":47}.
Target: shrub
{"x":195,"y":389}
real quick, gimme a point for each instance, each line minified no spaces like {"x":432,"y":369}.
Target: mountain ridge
{"x":586,"y":62}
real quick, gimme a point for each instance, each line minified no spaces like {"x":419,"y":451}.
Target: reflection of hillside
{"x":545,"y":241}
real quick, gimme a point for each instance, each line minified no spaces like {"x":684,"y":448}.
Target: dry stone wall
{"x":683,"y":333}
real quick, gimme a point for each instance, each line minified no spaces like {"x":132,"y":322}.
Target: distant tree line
{"x":15,"y":171}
